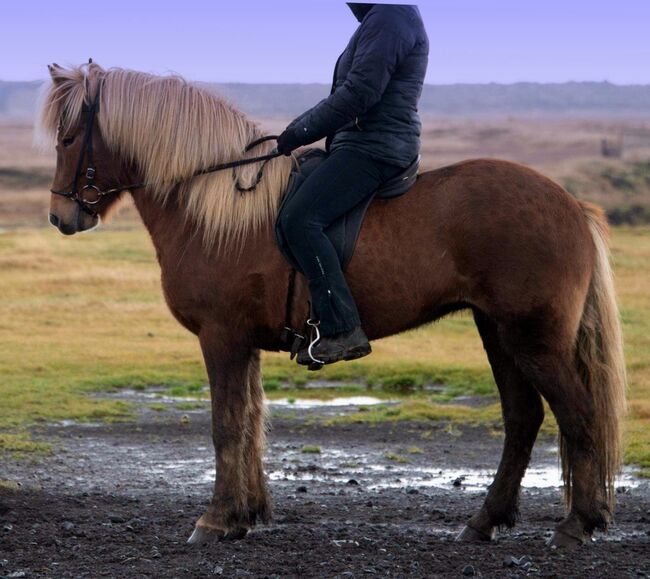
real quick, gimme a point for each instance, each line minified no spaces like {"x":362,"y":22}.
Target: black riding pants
{"x":337,"y":185}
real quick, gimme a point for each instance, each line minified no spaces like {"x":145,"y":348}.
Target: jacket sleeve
{"x":381,"y":46}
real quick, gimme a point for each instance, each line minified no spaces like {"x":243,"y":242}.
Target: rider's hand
{"x":288,"y":141}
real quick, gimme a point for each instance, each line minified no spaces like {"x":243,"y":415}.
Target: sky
{"x":279,"y":41}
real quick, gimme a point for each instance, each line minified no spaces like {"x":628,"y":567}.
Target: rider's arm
{"x":380,"y":49}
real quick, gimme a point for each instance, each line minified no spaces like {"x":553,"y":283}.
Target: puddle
{"x":160,"y":396}
{"x":304,"y":403}
{"x":377,"y":477}
{"x":153,"y":395}
{"x":339,"y":466}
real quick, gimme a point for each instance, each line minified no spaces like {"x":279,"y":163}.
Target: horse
{"x":495,"y":237}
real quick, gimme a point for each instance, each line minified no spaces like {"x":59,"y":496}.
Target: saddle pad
{"x":343,"y":233}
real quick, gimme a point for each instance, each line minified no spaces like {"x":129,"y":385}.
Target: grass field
{"x":86,"y":314}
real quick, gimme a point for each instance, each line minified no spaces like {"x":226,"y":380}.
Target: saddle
{"x":343,"y":233}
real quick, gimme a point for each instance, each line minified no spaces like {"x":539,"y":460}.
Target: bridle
{"x":87,"y":204}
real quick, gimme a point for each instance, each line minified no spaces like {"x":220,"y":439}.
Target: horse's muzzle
{"x":65,"y":228}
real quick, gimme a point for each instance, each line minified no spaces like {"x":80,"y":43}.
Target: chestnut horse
{"x":529,"y":260}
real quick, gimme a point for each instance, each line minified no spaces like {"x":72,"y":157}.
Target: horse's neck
{"x":176,"y":239}
{"x":164,"y":222}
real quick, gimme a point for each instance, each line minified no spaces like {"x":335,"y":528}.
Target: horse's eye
{"x":68,"y":141}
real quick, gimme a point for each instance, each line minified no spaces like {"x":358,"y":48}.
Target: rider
{"x":372,"y":127}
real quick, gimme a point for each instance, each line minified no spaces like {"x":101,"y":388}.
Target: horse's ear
{"x":55,"y":70}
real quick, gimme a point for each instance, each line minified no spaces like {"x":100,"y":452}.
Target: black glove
{"x":288,"y":141}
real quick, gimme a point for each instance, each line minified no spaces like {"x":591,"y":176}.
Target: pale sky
{"x":280,"y":41}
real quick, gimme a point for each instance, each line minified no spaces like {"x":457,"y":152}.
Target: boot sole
{"x":356,"y":353}
{"x":352,"y":354}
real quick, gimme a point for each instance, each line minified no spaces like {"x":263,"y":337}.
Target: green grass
{"x":397,"y":458}
{"x":20,"y":443}
{"x":310,"y":450}
{"x":85,"y":314}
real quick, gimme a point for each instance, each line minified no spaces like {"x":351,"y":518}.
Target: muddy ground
{"x":120,"y":500}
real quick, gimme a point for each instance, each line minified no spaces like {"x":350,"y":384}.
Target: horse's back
{"x":478,"y":231}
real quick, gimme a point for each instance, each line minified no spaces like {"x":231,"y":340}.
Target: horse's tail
{"x":600,"y":361}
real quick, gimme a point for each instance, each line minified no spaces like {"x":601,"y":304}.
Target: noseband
{"x":87,"y":204}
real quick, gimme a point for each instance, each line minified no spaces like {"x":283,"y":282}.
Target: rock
{"x":67,"y":526}
{"x":217,"y":570}
{"x":469,"y":571}
{"x":185,"y":419}
{"x":4,"y":562}
{"x":8,"y":528}
{"x":301,"y":489}
{"x":525,"y":562}
{"x":458,"y":481}
{"x":116,"y":518}
{"x":412,"y":492}
{"x":353,"y":482}
{"x":16,"y":574}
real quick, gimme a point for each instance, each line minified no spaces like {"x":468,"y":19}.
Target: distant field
{"x":567,"y":150}
{"x":85,"y":313}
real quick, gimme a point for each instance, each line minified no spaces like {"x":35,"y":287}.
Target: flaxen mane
{"x":169,"y":129}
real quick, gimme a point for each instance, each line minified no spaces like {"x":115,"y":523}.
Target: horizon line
{"x":461,"y":83}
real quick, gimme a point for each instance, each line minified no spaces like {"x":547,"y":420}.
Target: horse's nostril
{"x":54,"y":220}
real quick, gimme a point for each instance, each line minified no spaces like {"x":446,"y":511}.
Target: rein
{"x":87,"y":153}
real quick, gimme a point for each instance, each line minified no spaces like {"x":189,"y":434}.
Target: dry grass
{"x":86,"y":313}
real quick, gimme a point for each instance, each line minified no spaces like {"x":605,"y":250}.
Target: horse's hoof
{"x":235,"y":534}
{"x":564,"y":541}
{"x":471,"y":535}
{"x":203,"y":535}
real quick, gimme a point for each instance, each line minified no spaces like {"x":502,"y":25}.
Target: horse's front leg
{"x":231,"y":367}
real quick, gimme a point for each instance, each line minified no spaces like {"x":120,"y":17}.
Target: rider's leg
{"x":341,"y":182}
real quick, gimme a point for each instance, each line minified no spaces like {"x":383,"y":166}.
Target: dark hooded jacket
{"x":377,"y":84}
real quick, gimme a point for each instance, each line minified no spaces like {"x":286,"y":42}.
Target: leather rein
{"x":87,"y":203}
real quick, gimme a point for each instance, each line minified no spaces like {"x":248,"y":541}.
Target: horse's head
{"x":87,"y":172}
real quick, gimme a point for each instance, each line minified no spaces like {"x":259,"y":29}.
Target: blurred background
{"x":560,"y":87}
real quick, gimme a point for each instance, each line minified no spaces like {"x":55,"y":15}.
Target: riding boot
{"x":343,"y":346}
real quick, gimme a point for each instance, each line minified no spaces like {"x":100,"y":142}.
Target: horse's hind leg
{"x":523,"y":413}
{"x":559,"y":382}
{"x":586,"y":411}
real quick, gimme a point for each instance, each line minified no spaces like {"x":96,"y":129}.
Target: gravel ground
{"x":120,"y":500}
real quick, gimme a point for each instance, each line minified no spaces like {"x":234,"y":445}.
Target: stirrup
{"x":314,"y":324}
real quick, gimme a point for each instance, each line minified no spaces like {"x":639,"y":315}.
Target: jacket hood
{"x":360,"y":9}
